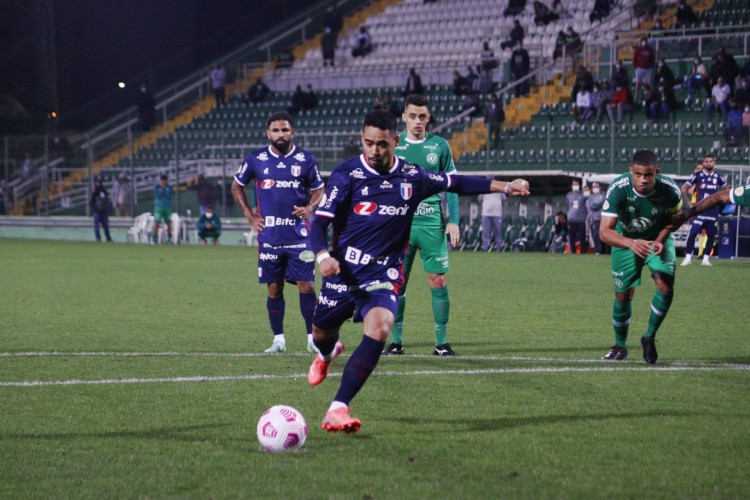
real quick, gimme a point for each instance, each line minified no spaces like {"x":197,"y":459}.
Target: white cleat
{"x":277,"y":347}
{"x":686,"y":260}
{"x":311,"y":348}
{"x":706,"y":262}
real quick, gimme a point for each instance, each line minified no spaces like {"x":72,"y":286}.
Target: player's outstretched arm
{"x":465,"y":184}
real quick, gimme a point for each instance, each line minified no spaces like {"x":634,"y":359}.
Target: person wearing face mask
{"x":663,"y":102}
{"x":209,"y":226}
{"x":594,"y":204}
{"x":620,"y":76}
{"x":576,"y":219}
{"x":664,"y":73}
{"x":698,"y":76}
{"x":705,"y":183}
{"x":644,"y":58}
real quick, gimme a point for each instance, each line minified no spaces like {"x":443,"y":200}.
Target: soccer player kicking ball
{"x":636,"y":222}
{"x":370,"y":200}
{"x":428,"y":230}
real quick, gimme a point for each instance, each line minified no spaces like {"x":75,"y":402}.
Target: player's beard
{"x":282,"y":145}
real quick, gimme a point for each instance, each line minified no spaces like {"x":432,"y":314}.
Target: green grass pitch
{"x":137,"y":372}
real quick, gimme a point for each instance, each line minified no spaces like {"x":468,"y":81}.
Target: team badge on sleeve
{"x":406,"y":190}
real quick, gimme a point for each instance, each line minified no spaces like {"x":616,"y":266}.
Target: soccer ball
{"x":281,"y":428}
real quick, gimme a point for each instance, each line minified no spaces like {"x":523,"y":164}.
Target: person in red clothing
{"x":644,"y":58}
{"x":621,"y":102}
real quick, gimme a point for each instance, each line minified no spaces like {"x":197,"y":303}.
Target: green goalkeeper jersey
{"x":640,"y":216}
{"x":431,"y":153}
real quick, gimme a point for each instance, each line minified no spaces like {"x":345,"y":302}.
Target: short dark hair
{"x":381,"y":119}
{"x":708,"y":155}
{"x":163,"y":177}
{"x":644,"y":157}
{"x":417,"y":100}
{"x":280,"y":115}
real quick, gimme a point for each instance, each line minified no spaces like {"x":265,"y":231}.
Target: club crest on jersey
{"x":296,"y":170}
{"x":263,"y":156}
{"x":406,"y":190}
{"x":267,"y":183}
{"x":299,"y":157}
{"x":432,"y":158}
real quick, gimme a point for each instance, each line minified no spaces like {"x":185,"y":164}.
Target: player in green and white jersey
{"x":636,"y":222}
{"x":428,"y":229}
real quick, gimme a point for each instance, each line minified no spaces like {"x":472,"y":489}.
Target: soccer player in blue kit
{"x":706,"y":182}
{"x":288,"y":189}
{"x":370,"y":200}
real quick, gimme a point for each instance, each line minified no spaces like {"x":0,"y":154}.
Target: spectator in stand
{"x":644,"y":58}
{"x":664,"y":73}
{"x":471,"y":77}
{"x":697,"y":77}
{"x":334,"y":21}
{"x":459,"y":82}
{"x":685,"y":15}
{"x":664,"y":102}
{"x":742,"y":92}
{"x":363,"y":43}
{"x":328,"y":46}
{"x":716,"y":71}
{"x":519,"y":67}
{"x":516,"y":35}
{"x":514,"y":8}
{"x":489,"y":62}
{"x":559,"y":45}
{"x":413,"y":84}
{"x":310,"y":100}
{"x":582,"y":107}
{"x":219,"y":85}
{"x":145,"y":105}
{"x":577,"y":219}
{"x":204,"y":191}
{"x":258,"y":92}
{"x":657,"y":30}
{"x":285,"y":58}
{"x":471,"y":99}
{"x":601,"y":10}
{"x":209,"y":226}
{"x":730,"y":68}
{"x":298,"y":101}
{"x":573,"y":42}
{"x":543,"y":15}
{"x":720,"y":98}
{"x":649,"y":97}
{"x":559,"y":234}
{"x":494,"y":116}
{"x":100,"y":206}
{"x":584,"y":81}
{"x":622,"y":102}
{"x":606,"y":94}
{"x":745,"y":133}
{"x":122,"y":194}
{"x":620,"y":76}
{"x":733,"y":131}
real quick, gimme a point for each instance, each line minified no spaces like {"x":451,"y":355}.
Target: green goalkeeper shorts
{"x":433,"y":248}
{"x":627,"y":266}
{"x":162,"y":214}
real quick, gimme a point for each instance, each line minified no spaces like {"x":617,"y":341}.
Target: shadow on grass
{"x":184,"y":433}
{"x":496,"y":424}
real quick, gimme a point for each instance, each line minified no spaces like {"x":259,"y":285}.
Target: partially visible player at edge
{"x":288,"y":189}
{"x":739,"y":196}
{"x":428,"y":229}
{"x":636,"y":220}
{"x":371,"y":200}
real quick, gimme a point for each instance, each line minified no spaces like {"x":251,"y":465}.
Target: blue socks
{"x":307,"y":308}
{"x":359,"y":367}
{"x":276,"y":314}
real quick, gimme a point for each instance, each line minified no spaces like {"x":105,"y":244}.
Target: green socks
{"x":659,"y":306}
{"x":621,"y":313}
{"x":441,"y":308}
{"x":397,"y":332}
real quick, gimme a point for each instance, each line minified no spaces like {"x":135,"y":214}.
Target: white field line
{"x":386,"y":373}
{"x":176,"y":354}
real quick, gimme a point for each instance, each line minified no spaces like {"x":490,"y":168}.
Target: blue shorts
{"x":338,"y":302}
{"x":291,"y":263}
{"x":708,"y":223}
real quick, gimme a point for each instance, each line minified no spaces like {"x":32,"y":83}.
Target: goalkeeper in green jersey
{"x":636,"y":222}
{"x":428,"y":229}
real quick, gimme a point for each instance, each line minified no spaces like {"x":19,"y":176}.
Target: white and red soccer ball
{"x":281,"y":428}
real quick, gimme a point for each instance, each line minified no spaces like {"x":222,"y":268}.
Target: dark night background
{"x":100,"y":43}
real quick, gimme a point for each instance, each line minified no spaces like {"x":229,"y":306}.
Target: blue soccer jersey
{"x":372,"y":214}
{"x":281,"y":183}
{"x":705,"y":185}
